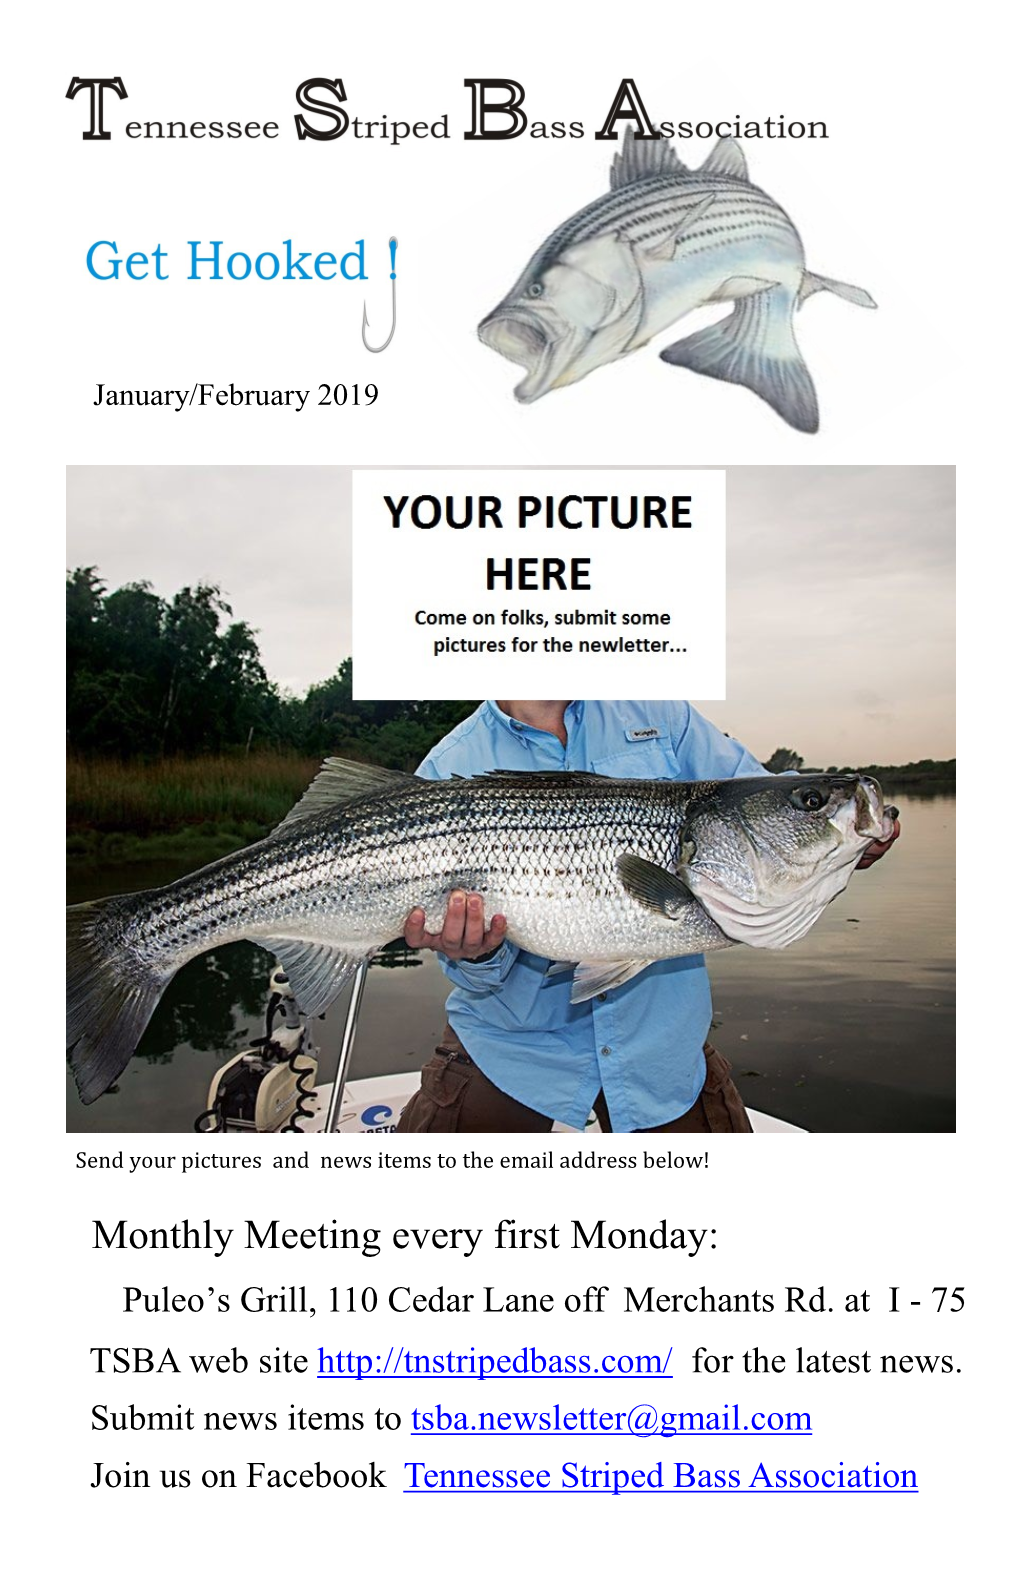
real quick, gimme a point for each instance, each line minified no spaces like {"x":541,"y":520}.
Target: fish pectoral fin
{"x":726,"y":158}
{"x":653,"y":886}
{"x":558,"y":968}
{"x":663,"y":251}
{"x":316,"y":974}
{"x":339,"y":782}
{"x":755,"y":346}
{"x":591,"y":979}
{"x":853,"y":293}
{"x":641,"y":159}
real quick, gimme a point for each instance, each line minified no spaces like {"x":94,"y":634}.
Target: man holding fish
{"x":614,"y":840}
{"x":518,"y":1052}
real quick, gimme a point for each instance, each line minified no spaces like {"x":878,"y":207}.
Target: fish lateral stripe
{"x":668,"y":205}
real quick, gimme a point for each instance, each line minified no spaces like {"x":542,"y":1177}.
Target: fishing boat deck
{"x":373,"y":1105}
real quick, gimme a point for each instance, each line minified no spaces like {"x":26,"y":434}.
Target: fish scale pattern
{"x":542,"y":850}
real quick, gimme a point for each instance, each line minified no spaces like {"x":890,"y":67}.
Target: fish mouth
{"x":530,"y":342}
{"x":872,"y":820}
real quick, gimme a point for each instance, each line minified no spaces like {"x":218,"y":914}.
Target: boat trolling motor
{"x":269,"y":1087}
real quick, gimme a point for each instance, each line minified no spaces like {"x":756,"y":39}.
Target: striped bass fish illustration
{"x":605,"y":874}
{"x":663,"y":241}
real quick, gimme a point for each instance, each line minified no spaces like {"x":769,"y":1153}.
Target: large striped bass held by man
{"x":602,"y":873}
{"x":662,"y":241}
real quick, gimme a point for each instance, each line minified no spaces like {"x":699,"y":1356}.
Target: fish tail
{"x":755,"y":346}
{"x":852,"y":293}
{"x":111,"y":994}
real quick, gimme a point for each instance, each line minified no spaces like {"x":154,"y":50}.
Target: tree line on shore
{"x":921,"y":773}
{"x":156,"y":679}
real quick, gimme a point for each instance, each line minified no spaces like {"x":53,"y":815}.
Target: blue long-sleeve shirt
{"x":642,"y":1041}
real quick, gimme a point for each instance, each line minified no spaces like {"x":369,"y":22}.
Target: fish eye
{"x":809,"y":798}
{"x":536,"y":289}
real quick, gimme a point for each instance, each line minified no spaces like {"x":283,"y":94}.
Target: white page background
{"x":877,"y":207}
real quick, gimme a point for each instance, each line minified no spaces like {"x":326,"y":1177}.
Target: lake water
{"x":850,"y":1030}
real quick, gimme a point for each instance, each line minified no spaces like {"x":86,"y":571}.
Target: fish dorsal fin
{"x":591,"y":979}
{"x":726,"y":158}
{"x":651,"y":885}
{"x":316,"y":974}
{"x":663,"y":251}
{"x":340,"y":781}
{"x":641,"y":159}
{"x":570,"y":781}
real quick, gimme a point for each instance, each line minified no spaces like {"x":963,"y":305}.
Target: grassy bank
{"x":125,"y":811}
{"x":191,"y":811}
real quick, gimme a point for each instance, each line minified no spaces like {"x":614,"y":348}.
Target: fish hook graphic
{"x":375,"y":349}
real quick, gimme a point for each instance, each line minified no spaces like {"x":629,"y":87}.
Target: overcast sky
{"x":841,"y":587}
{"x":841,"y":612}
{"x":274,"y":538}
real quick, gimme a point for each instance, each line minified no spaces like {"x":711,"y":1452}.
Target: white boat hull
{"x":373,"y":1105}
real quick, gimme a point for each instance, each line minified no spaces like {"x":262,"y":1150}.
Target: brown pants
{"x":456,"y":1097}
